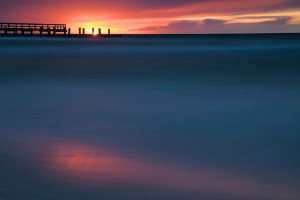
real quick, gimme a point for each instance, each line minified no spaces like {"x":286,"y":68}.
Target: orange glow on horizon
{"x":130,"y":17}
{"x":131,"y":26}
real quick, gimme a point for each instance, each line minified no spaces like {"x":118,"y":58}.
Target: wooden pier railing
{"x":29,"y":29}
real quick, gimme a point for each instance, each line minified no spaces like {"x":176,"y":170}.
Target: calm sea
{"x":212,"y":117}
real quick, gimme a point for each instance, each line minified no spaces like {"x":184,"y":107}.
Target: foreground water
{"x":150,"y":117}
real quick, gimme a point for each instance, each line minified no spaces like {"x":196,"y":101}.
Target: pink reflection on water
{"x":91,"y":165}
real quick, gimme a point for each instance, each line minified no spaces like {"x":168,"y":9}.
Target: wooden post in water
{"x":61,"y":30}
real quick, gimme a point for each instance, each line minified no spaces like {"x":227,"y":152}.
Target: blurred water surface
{"x":150,"y":117}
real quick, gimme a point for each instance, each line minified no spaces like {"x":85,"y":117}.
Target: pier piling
{"x":58,"y":30}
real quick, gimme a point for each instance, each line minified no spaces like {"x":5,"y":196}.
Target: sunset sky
{"x":160,"y":16}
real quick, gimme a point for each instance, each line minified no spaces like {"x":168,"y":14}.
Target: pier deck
{"x":31,"y":28}
{"x":56,"y":30}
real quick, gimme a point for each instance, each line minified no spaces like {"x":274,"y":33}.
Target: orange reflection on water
{"x":81,"y":163}
{"x":91,"y":165}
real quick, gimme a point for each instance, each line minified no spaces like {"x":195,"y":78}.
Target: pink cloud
{"x":279,"y":25}
{"x":68,"y":10}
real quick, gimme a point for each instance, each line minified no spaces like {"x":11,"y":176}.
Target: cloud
{"x":278,"y":25}
{"x":148,"y":16}
{"x":68,"y":10}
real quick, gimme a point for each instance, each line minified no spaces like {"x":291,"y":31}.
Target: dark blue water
{"x":150,"y":117}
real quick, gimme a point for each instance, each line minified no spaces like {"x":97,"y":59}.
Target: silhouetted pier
{"x":47,"y":30}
